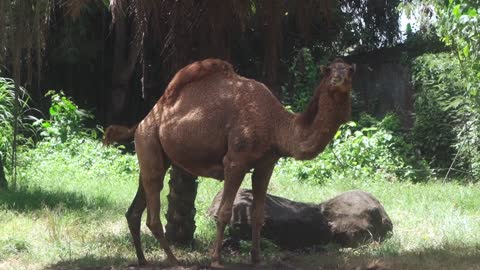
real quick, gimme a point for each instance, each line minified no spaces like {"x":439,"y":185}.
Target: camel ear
{"x":324,"y":70}
{"x":354,"y":68}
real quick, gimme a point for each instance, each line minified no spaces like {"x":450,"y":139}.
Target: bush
{"x":66,"y":119}
{"x":375,"y":149}
{"x":436,"y":78}
{"x":447,"y":121}
{"x":68,"y":146}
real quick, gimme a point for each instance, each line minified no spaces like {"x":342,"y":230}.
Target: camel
{"x":215,"y":123}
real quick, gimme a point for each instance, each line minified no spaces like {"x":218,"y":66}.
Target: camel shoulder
{"x":195,"y":72}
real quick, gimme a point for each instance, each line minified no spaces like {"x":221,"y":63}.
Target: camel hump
{"x":194,"y":72}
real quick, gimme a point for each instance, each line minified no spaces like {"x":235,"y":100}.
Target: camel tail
{"x":116,"y":133}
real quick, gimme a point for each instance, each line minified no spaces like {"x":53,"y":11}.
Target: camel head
{"x":338,"y":76}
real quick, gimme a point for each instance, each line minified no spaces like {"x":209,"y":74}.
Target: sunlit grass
{"x":69,"y":213}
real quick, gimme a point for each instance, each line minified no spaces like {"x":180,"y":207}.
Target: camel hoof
{"x":140,"y":263}
{"x":256,"y":259}
{"x":216,"y":265}
{"x":258,"y":263}
{"x":173,"y":262}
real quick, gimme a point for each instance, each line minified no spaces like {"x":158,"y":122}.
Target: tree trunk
{"x":3,"y":180}
{"x":181,"y":207}
{"x":125,"y":56}
{"x":271,"y":20}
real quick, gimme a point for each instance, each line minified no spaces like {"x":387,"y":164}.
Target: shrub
{"x":68,"y":146}
{"x":66,"y":119}
{"x":376,"y":149}
{"x":436,"y":79}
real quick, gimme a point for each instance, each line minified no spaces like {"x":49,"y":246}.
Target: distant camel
{"x":214,"y":123}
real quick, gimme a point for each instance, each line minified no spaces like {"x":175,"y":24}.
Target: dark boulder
{"x":348,"y":219}
{"x":289,"y":224}
{"x":356,"y":217}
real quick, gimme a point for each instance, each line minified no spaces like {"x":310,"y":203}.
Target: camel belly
{"x":197,"y":163}
{"x":194,"y":148}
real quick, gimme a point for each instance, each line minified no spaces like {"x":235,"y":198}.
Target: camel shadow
{"x":90,"y":262}
{"x":32,"y":199}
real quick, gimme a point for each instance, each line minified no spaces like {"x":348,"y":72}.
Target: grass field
{"x":68,"y":213}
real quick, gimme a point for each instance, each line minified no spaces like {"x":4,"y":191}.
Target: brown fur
{"x":212,"y":122}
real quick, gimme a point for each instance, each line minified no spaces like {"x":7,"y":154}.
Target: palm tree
{"x":181,"y":207}
{"x":3,"y":180}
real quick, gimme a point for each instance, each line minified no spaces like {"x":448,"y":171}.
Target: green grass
{"x":69,"y":213}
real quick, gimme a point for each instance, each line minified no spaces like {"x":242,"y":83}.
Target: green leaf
{"x":473,"y":92}
{"x":472,"y":12}
{"x":339,"y":132}
{"x":466,"y":50}
{"x":456,"y":11}
{"x":455,"y":103}
{"x":52,"y":111}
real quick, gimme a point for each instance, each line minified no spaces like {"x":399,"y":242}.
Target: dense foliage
{"x":459,"y":27}
{"x":448,"y":85}
{"x":367,"y":149}
{"x":445,"y":123}
{"x":439,"y":92}
{"x":66,"y":142}
{"x":66,"y":120}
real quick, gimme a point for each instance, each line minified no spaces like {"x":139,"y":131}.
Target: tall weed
{"x":24,"y":123}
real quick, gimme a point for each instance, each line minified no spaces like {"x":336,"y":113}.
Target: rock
{"x":348,"y":219}
{"x":289,"y":224}
{"x":356,"y":217}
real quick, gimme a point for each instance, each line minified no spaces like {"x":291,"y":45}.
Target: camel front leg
{"x":233,"y":178}
{"x":260,"y":179}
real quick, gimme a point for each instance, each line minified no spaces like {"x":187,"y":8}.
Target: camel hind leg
{"x":134,"y":218}
{"x":260,"y":179}
{"x":153,"y":166}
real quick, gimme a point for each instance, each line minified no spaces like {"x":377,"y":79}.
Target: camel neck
{"x":303,"y":139}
